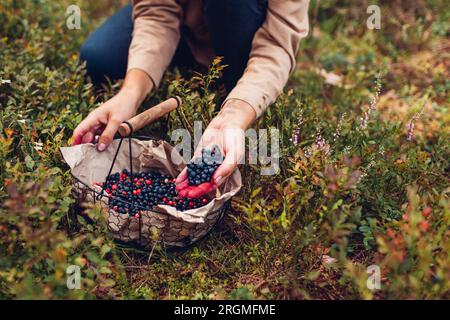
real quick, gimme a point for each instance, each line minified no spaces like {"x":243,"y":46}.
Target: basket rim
{"x":139,"y":208}
{"x":126,"y":202}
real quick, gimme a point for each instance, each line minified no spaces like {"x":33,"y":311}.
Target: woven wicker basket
{"x":163,"y":223}
{"x":152,"y":225}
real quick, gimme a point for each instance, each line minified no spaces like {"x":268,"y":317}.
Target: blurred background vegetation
{"x":363,"y":180}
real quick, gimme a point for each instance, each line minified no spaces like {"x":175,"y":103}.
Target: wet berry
{"x":129,"y":195}
{"x":201,"y":169}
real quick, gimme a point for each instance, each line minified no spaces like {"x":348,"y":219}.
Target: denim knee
{"x":88,"y":53}
{"x":95,"y":62}
{"x":106,"y":49}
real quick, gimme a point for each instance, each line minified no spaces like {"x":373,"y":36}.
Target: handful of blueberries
{"x":142,"y":191}
{"x":201,"y":169}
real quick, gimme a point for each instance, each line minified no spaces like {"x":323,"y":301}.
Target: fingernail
{"x":101,"y":147}
{"x":218,"y":179}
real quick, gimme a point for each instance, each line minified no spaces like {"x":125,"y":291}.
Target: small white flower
{"x":38,"y":146}
{"x":327,"y":260}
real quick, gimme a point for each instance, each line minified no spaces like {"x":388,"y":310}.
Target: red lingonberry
{"x":390,"y":233}
{"x":426,"y":212}
{"x":424,"y":226}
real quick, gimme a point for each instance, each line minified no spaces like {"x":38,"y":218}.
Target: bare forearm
{"x":237,"y":113}
{"x":136,"y":86}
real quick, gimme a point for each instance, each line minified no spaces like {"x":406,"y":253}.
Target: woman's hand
{"x":106,"y":119}
{"x":227,"y":131}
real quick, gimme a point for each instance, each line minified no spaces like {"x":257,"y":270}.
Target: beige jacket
{"x":272,"y":58}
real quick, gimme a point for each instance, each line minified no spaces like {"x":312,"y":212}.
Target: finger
{"x":201,"y":189}
{"x":78,"y":134}
{"x":88,"y":137}
{"x":98,"y":132}
{"x":108,"y":134}
{"x":82,"y":129}
{"x":101,"y":127}
{"x":182,"y":176}
{"x":235,"y":142}
{"x":183,"y":193}
{"x":223,"y":172}
{"x":182,"y":185}
{"x":227,"y":167}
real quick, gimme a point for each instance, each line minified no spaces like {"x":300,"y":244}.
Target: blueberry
{"x":160,"y":191}
{"x":202,"y":168}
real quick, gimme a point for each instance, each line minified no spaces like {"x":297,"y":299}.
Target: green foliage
{"x":199,"y":99}
{"x":40,"y":235}
{"x":347,"y":195}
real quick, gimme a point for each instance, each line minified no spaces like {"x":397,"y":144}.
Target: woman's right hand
{"x":106,"y":119}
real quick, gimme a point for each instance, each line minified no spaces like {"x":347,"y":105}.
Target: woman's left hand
{"x":227,"y":132}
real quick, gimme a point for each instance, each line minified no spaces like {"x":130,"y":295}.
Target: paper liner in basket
{"x":173,"y":226}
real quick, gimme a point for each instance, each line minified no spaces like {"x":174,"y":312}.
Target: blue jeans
{"x":231,"y":24}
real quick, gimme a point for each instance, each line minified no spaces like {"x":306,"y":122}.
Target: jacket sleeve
{"x":273,"y":54}
{"x":156,"y":34}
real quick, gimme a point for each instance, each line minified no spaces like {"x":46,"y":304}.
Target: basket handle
{"x":151,"y":115}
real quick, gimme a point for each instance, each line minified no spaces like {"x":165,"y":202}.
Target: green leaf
{"x":29,"y":162}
